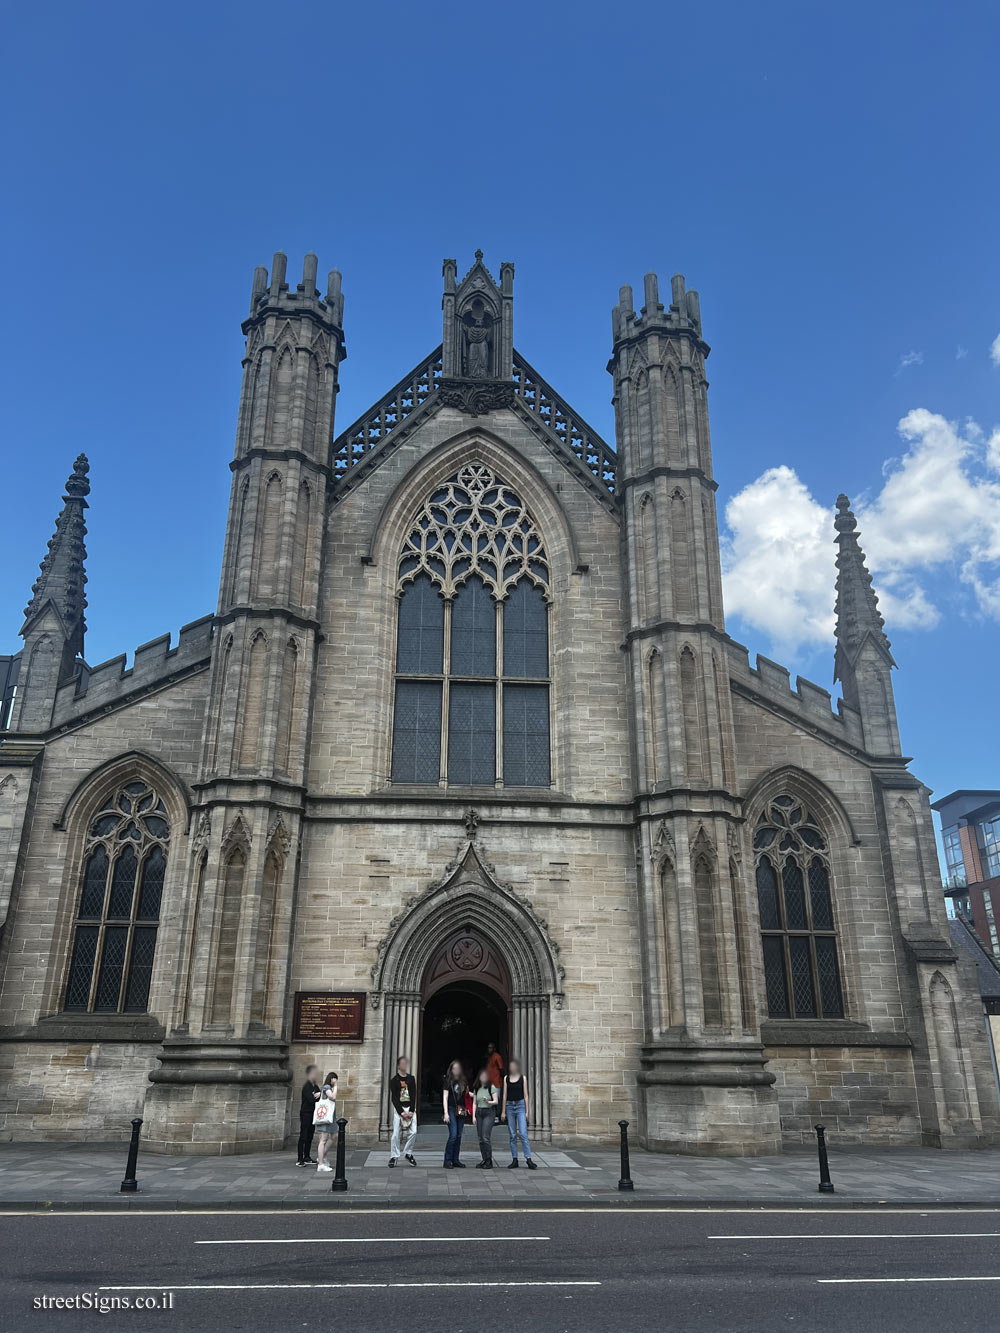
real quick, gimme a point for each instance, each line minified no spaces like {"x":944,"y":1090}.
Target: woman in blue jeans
{"x":515,"y":1112}
{"x":455,"y":1105}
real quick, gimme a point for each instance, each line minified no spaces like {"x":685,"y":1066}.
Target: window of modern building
{"x":114,"y":939}
{"x":989,"y":842}
{"x":472,"y":644}
{"x":954,"y":861}
{"x":801,"y":968}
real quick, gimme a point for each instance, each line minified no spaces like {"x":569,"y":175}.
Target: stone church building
{"x":466,"y":750}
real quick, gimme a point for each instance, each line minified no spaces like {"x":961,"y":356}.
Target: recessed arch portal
{"x":469,"y":930}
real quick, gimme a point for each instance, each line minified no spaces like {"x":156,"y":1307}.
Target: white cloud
{"x":995,"y":350}
{"x":961,"y":352}
{"x":938,"y":508}
{"x":777,"y":560}
{"x":910,"y":359}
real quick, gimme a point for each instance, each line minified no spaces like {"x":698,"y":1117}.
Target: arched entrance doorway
{"x":465,"y":1003}
{"x":471,"y":951}
{"x":457,"y":1024}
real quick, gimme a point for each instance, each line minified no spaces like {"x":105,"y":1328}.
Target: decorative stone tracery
{"x":475,"y":523}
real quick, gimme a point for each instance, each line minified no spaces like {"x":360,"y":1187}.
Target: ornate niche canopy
{"x":478,"y":344}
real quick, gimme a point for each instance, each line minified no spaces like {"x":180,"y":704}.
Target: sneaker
{"x":531,"y":1164}
{"x":392,"y":1161}
{"x":323,"y":1167}
{"x":411,"y":1159}
{"x":301,"y":1163}
{"x":513,"y":1165}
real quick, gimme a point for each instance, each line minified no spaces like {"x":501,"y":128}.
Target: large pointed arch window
{"x":801,"y":971}
{"x":472,"y":644}
{"x":118,"y":913}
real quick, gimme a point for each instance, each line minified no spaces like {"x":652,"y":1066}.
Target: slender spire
{"x":62,"y":578}
{"x":858,"y":617}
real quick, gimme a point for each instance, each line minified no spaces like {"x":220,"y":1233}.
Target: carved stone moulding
{"x":476,"y":397}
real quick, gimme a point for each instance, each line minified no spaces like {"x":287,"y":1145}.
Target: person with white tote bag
{"x":325,"y":1119}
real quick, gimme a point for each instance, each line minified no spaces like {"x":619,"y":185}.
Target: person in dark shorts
{"x":325,"y":1119}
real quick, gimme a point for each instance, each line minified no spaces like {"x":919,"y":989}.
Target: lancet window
{"x":801,"y":970}
{"x":472,"y":646}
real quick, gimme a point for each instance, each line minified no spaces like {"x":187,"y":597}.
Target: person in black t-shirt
{"x":403,"y":1096}
{"x":310,"y":1095}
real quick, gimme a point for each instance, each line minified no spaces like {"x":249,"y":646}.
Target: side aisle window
{"x":114,"y":939}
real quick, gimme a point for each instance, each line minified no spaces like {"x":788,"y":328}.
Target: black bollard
{"x":825,"y":1183}
{"x":340,"y":1178}
{"x":129,"y":1185}
{"x":626,"y":1181}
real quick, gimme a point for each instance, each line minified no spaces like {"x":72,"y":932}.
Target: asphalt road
{"x":508,"y":1269}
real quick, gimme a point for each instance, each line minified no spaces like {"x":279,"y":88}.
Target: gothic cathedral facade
{"x":466,"y":744}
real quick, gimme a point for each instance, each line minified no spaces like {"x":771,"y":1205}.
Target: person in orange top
{"x":494,"y":1067}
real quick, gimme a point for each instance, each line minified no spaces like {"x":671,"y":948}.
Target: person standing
{"x":516,"y":1112}
{"x":403,"y":1096}
{"x":485,"y":1105}
{"x":454,"y":1104}
{"x":310,"y":1096}
{"x":494,"y":1063}
{"x":325,"y":1119}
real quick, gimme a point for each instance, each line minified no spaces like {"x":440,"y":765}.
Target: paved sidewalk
{"x":88,"y":1175}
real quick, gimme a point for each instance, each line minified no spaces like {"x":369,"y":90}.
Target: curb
{"x":613,"y":1202}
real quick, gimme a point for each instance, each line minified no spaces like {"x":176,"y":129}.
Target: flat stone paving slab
{"x":89,"y":1175}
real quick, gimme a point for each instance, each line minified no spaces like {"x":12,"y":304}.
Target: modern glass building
{"x":970,"y":832}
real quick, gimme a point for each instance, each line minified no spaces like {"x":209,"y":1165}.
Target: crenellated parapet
{"x":111,"y":684}
{"x":805,"y":704}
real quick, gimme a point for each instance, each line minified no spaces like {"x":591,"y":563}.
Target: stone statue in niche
{"x":477,"y":342}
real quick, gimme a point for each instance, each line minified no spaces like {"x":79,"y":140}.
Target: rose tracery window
{"x":114,"y":940}
{"x":472,"y":651}
{"x":801,"y":972}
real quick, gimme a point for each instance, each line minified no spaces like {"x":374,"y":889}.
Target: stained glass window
{"x":472,"y":629}
{"x":419,"y":644}
{"x":525,"y":632}
{"x":124,"y":865}
{"x":526,"y":735}
{"x":801,"y":972}
{"x":416,"y":738}
{"x":472,"y":734}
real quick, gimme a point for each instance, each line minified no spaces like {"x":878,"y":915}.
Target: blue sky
{"x":825,"y":176}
